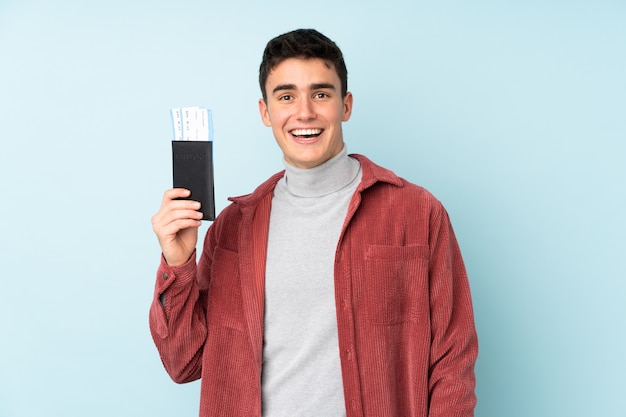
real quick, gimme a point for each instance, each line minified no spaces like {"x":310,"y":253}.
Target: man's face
{"x":305,"y":110}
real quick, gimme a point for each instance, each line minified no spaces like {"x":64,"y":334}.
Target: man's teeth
{"x":306,"y":132}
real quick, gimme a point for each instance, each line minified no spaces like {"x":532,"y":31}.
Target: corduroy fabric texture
{"x":404,"y":314}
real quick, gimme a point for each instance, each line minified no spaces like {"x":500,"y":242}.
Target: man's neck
{"x":327,"y":178}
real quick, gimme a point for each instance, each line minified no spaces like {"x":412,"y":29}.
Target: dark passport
{"x":192,"y":163}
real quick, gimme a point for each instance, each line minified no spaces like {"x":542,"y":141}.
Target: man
{"x":335,"y":289}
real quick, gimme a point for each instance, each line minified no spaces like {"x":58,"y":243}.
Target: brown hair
{"x":302,"y":43}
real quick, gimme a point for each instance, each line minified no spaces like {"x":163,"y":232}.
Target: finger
{"x":166,"y":217}
{"x":168,"y":231}
{"x":176,"y":193}
{"x":172,"y":205}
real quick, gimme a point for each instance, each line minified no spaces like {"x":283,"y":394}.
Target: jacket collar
{"x":372,"y":173}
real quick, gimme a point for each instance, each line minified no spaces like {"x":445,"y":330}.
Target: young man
{"x":335,"y":289}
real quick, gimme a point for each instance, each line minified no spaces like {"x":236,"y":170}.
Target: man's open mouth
{"x":306,"y":133}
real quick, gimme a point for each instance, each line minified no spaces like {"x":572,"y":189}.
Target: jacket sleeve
{"x":454,"y":343}
{"x":178,"y":315}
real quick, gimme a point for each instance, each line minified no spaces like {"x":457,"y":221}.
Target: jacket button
{"x":164,"y":275}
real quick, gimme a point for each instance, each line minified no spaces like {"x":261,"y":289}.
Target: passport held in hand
{"x":192,"y":156}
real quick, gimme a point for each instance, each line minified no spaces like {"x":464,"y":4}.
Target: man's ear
{"x":347,"y":106}
{"x":265,"y":116}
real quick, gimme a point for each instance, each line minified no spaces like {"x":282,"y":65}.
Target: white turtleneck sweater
{"x":301,"y":366}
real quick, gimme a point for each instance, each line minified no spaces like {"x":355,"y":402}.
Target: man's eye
{"x":321,"y":95}
{"x":285,"y":97}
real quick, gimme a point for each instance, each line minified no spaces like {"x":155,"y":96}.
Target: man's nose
{"x":306,"y":110}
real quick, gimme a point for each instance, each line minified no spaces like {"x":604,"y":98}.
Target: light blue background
{"x":512,"y":113}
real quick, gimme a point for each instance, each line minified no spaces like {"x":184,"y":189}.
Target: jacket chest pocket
{"x":395,"y":283}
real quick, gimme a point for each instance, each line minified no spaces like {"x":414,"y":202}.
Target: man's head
{"x":305,"y":44}
{"x":305,"y":102}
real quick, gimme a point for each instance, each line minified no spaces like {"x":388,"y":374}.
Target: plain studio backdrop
{"x":511,"y":113}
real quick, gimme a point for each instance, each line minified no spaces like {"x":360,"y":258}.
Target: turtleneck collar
{"x":327,"y":178}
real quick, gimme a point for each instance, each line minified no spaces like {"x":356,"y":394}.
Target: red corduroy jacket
{"x":404,"y":313}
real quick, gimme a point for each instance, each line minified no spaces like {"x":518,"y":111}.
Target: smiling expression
{"x":305,"y":110}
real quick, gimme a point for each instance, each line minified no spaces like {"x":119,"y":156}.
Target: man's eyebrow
{"x":316,"y":86}
{"x":322,"y":86}
{"x":283,"y":87}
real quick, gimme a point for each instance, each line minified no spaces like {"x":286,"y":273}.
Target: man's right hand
{"x":176,"y":226}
